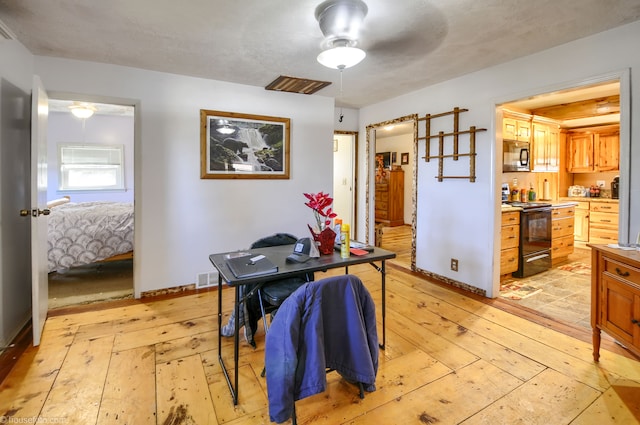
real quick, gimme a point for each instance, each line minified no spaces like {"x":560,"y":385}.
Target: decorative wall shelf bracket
{"x":455,"y":141}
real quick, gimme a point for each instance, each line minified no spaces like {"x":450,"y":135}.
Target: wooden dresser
{"x":390,"y":199}
{"x":615,"y":296}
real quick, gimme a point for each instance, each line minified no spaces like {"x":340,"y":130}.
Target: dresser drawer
{"x":510,"y":237}
{"x":603,"y":218}
{"x":562,"y":227}
{"x":562,"y":212}
{"x":382,"y":214}
{"x":382,"y":196}
{"x":604,"y":207}
{"x":602,"y":236}
{"x":561,"y":247}
{"x":509,"y":218}
{"x":508,"y":260}
{"x":622,"y":271}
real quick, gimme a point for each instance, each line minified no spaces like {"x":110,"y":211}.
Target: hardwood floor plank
{"x":429,"y":313}
{"x":619,"y":404}
{"x":187,"y":346}
{"x":548,"y":398}
{"x":130,"y":389}
{"x":448,"y":400}
{"x":77,"y":391}
{"x":183,"y":394}
{"x":156,"y":334}
{"x":27,"y":386}
{"x":251,"y":398}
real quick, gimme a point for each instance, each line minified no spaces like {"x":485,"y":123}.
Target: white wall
{"x":180,"y":218}
{"x":458,"y":219}
{"x":16,"y":69}
{"x":110,"y":130}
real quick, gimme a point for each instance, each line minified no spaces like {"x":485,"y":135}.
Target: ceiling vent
{"x":296,"y":85}
{"x":5,"y":32}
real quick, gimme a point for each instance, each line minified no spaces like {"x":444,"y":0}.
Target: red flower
{"x":320,"y":203}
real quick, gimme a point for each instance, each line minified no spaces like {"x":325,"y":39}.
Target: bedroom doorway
{"x":91,"y":179}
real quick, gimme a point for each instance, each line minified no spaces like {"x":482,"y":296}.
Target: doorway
{"x":390,"y":197}
{"x":563,"y":291}
{"x":91,"y":178}
{"x":345,"y":170}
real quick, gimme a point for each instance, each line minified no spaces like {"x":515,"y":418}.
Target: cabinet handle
{"x":634,"y":321}
{"x":621,"y":273}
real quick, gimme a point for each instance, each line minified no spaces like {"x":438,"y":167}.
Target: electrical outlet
{"x":454,"y":264}
{"x":600,"y":183}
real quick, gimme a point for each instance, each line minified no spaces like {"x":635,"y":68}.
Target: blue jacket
{"x":329,"y":323}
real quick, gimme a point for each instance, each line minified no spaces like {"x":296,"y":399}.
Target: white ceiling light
{"x":340,"y":22}
{"x":82,"y":110}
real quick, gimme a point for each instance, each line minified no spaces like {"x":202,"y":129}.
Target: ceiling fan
{"x":340,"y":22}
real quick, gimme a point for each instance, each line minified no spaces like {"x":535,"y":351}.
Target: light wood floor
{"x":450,"y":359}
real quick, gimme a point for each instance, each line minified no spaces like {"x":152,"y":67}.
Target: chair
{"x":272,"y":294}
{"x":325,"y":325}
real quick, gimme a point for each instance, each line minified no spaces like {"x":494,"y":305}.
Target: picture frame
{"x":243,"y":146}
{"x":384,"y":159}
{"x":404,"y":158}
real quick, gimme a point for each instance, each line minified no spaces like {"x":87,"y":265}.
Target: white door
{"x":39,"y":212}
{"x":343,"y":178}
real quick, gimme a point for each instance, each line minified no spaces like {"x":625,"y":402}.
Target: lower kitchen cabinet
{"x":510,"y":242}
{"x":603,"y":222}
{"x":562,"y":224}
{"x":615,"y":297}
{"x":581,"y":222}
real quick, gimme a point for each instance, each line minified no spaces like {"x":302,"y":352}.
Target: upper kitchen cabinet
{"x":516,"y":129}
{"x":593,"y":150}
{"x":545,"y":147}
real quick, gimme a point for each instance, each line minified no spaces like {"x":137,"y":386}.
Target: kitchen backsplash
{"x":525,"y":180}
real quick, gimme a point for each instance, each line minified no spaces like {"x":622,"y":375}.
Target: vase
{"x":325,"y":240}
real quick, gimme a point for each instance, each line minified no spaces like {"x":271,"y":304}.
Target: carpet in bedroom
{"x":91,"y":283}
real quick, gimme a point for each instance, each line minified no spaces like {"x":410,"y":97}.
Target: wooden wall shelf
{"x":441,"y":141}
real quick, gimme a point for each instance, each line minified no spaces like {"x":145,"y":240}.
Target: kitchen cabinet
{"x":562,"y":224}
{"x":545,"y":147}
{"x":594,"y":150}
{"x":389,"y":199}
{"x":581,"y":222}
{"x":509,"y":242}
{"x":603,"y":222}
{"x":615,"y":297}
{"x":516,"y":129}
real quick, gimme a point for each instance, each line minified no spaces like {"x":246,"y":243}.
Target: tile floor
{"x":565,"y":295}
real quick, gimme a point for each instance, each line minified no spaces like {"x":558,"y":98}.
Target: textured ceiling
{"x":410,"y":44}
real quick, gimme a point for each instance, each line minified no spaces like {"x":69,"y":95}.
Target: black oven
{"x":535,"y":238}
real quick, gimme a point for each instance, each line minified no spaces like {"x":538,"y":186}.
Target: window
{"x":91,"y":167}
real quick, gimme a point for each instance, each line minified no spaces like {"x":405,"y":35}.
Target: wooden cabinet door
{"x":539,"y":159}
{"x":580,"y":153}
{"x":607,"y":152}
{"x":618,"y":304}
{"x":514,"y":129}
{"x":553,"y":149}
{"x":581,"y":225}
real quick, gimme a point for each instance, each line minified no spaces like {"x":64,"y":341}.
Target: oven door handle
{"x":537,"y":257}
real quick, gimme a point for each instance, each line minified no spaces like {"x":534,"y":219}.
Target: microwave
{"x":515,"y":156}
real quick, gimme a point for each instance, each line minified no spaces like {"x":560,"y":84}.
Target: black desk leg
{"x":236,"y":339}
{"x":384,"y":305}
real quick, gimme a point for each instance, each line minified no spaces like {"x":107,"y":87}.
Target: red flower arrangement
{"x":320,"y":203}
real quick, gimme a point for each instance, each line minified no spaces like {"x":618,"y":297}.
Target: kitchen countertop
{"x":509,"y":208}
{"x":585,"y":199}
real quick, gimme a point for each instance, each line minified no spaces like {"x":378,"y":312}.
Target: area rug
{"x":518,"y":291}
{"x":577,"y":267}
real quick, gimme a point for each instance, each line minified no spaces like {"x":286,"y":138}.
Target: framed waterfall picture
{"x":242,"y":146}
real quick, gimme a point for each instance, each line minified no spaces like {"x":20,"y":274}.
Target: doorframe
{"x":137,"y":166}
{"x":370,"y":153}
{"x":624,"y":77}
{"x":354,"y":179}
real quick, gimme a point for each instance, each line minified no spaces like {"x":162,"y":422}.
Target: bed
{"x":89,"y":232}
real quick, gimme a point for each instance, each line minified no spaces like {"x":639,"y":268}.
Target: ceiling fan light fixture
{"x":341,"y":57}
{"x":82,"y":110}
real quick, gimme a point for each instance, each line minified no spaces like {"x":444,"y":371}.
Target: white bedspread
{"x":86,"y":232}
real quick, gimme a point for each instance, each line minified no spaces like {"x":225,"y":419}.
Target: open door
{"x":39,"y":211}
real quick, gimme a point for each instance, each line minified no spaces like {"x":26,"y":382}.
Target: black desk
{"x":278,"y":255}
